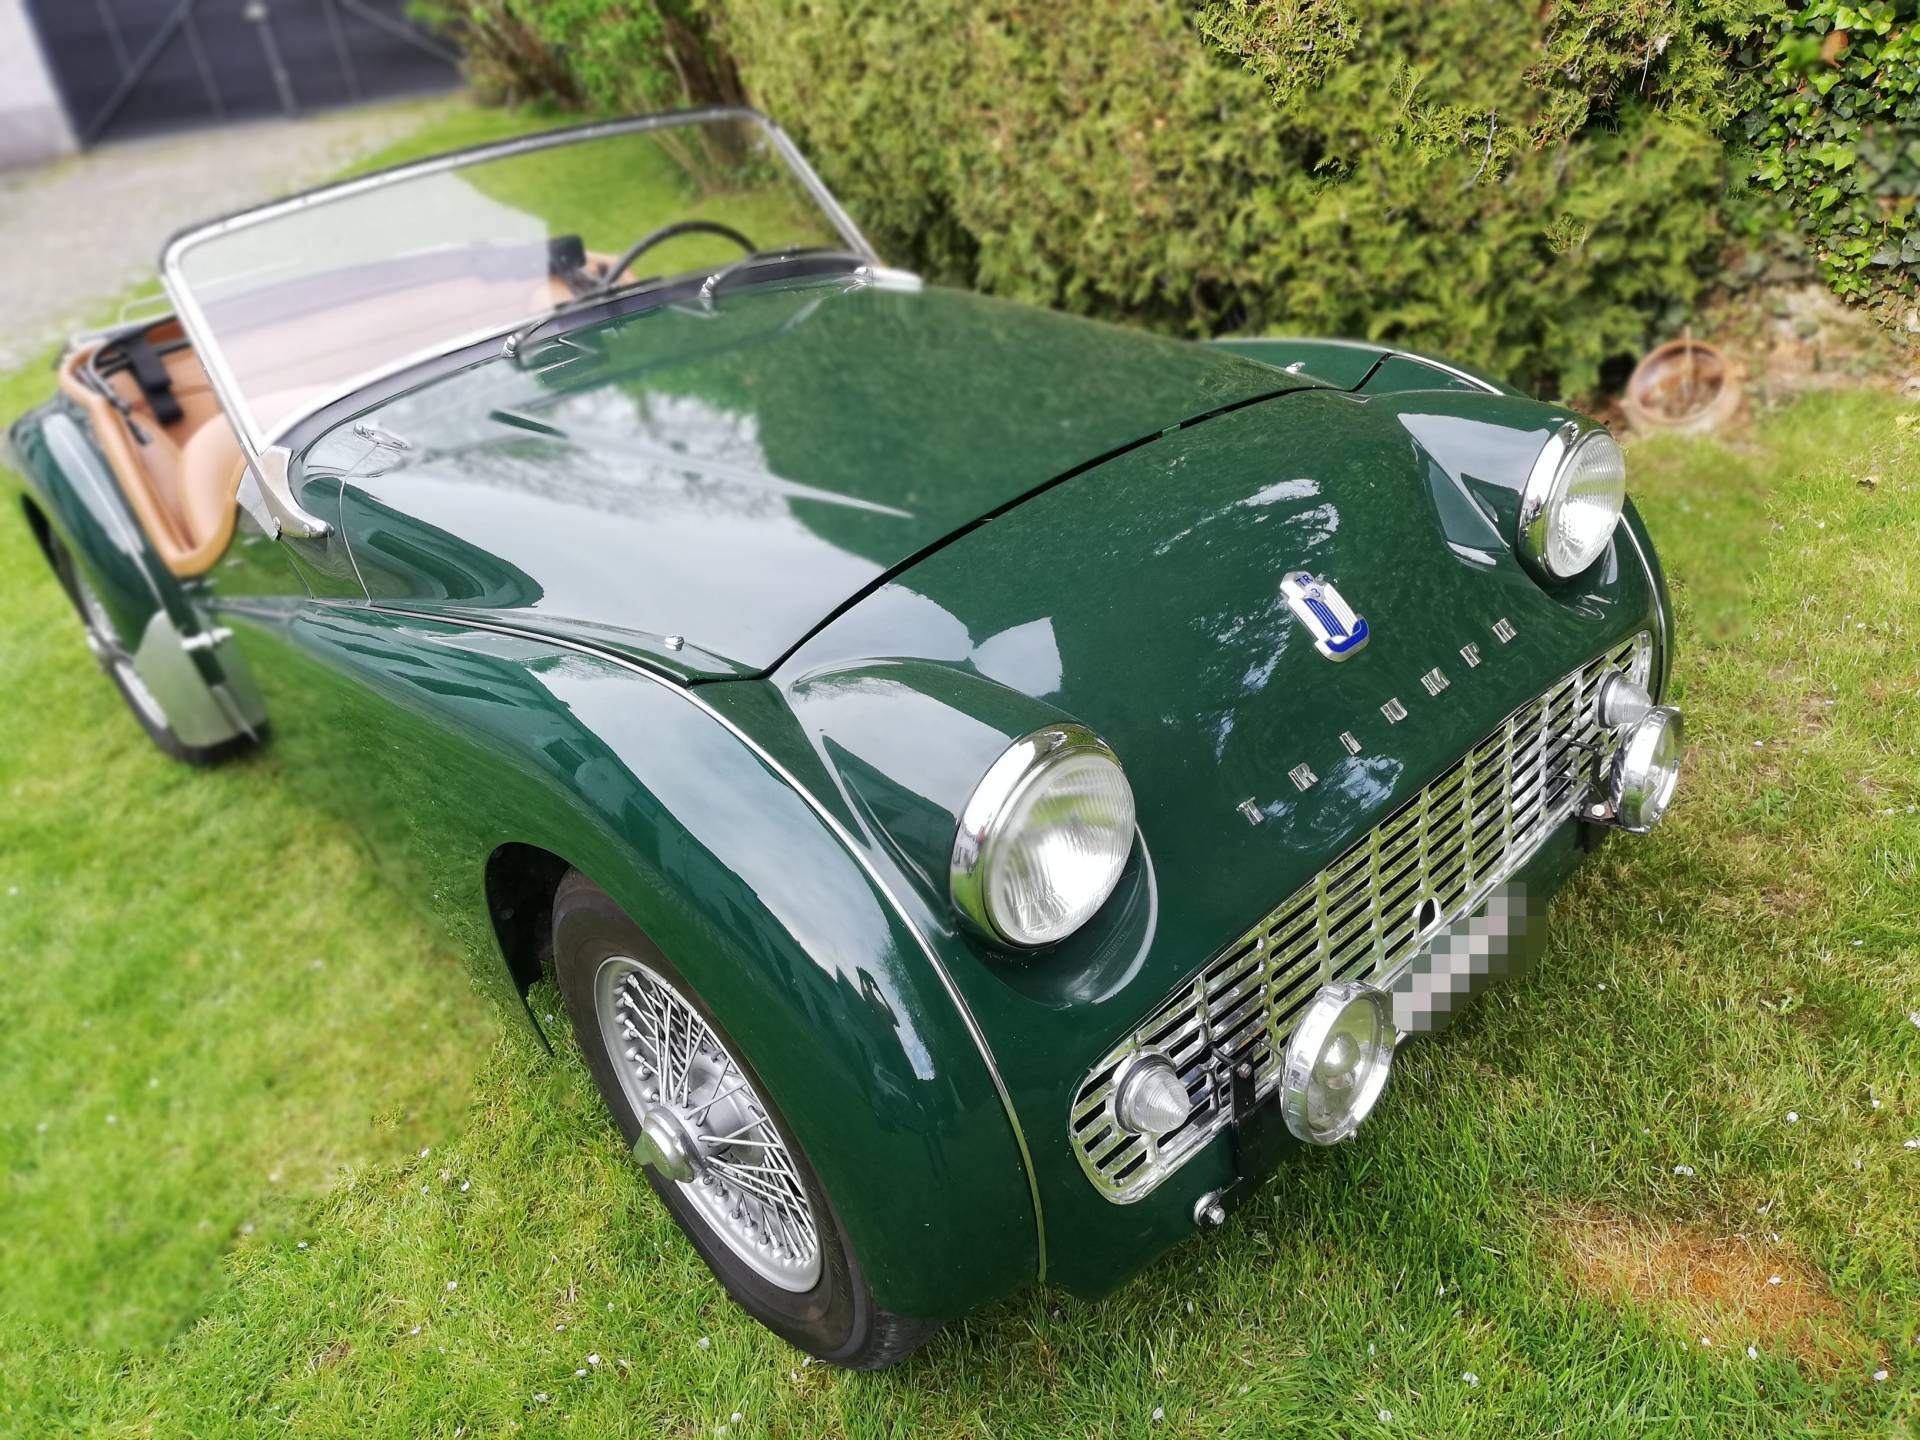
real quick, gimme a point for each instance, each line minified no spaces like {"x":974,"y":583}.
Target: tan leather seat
{"x":179,"y":480}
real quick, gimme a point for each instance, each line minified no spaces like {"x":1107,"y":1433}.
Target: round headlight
{"x":1337,"y":1062}
{"x":1646,"y":770}
{"x":1044,"y":837}
{"x":1572,"y":501}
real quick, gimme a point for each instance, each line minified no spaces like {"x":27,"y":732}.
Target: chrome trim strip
{"x":1662,"y":618}
{"x":1444,"y":369}
{"x":840,"y":833}
{"x":252,"y":440}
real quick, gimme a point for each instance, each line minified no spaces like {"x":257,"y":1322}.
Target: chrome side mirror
{"x":267,"y":496}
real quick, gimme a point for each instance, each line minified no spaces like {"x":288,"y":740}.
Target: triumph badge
{"x":1337,"y":632}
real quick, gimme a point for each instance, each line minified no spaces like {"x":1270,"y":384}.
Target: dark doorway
{"x":135,"y":67}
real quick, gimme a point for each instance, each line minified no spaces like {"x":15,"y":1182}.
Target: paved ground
{"x":93,"y":225}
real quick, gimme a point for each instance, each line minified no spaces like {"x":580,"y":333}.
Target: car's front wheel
{"x":710,"y":1140}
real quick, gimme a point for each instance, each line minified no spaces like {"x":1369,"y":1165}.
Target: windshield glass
{"x":300,"y":302}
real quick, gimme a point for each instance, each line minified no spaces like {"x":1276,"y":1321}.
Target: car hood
{"x":1142,"y":598}
{"x":700,"y":485}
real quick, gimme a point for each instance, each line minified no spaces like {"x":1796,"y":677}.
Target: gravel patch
{"x":91,"y":225}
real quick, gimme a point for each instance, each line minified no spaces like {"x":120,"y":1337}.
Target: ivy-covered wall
{"x":1539,"y":187}
{"x":1835,"y":121}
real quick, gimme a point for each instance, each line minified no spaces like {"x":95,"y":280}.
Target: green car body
{"x":730,"y":611}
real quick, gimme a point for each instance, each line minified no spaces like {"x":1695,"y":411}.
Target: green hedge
{"x":1541,"y":189}
{"x":1537,"y":197}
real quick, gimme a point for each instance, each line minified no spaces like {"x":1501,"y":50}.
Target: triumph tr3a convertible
{"x":987,"y":785}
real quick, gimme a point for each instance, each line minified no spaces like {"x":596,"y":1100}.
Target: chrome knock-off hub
{"x":703,"y":1127}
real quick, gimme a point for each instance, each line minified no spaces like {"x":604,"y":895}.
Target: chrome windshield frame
{"x":253,"y":441}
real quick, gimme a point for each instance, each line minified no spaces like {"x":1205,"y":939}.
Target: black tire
{"x":115,"y":662}
{"x":837,"y":1320}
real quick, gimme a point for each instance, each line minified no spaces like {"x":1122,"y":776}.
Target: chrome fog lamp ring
{"x":1337,"y":1062}
{"x":1646,"y":770}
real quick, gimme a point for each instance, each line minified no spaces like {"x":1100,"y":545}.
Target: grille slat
{"x":1469,"y":828}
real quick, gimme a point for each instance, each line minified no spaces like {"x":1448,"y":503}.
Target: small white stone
{"x":1914,"y":1016}
{"x":1386,"y":1417}
{"x":1158,"y":1414}
{"x":453,"y":1285}
{"x":580,"y":1373}
{"x":1601,"y":986}
{"x":734,"y":1418}
{"x":414,"y":1331}
{"x":705,"y":1343}
{"x":1752,"y":1353}
{"x":1705,"y":1341}
{"x":1683,"y":1170}
{"x":247,"y":1229}
{"x":1469,"y":1377}
{"x":540,"y":1397}
{"x":466,"y":1185}
{"x":301,"y":1246}
{"x":1370,"y":1349}
{"x":1793,"y":1117}
{"x":1879,"y":1375}
{"x":426,"y":1189}
{"x":1911,"y":1144}
{"x":1858,"y":943}
{"x":593,"y":1359}
{"x":426,"y":1152}
{"x":1774,"y":1280}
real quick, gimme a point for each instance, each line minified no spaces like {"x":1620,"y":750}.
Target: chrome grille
{"x":1465,"y":832}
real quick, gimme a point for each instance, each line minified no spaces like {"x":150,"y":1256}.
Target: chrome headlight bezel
{"x":982,"y":834}
{"x":1546,"y":489}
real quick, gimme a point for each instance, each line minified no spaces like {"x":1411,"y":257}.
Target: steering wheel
{"x":667,"y":232}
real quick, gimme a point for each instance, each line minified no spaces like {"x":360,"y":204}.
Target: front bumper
{"x":1499,"y":938}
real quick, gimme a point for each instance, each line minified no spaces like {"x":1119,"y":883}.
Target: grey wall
{"x":33,"y":127}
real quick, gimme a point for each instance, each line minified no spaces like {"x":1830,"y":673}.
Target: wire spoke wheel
{"x":704,"y":1127}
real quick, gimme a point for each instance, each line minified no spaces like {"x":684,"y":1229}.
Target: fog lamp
{"x":1646,"y":769}
{"x":1149,"y":1097}
{"x":1337,"y":1062}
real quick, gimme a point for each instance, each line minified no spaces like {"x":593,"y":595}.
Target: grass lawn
{"x":267,"y":1166}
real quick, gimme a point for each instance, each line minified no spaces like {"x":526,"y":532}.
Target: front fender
{"x":461,"y":740}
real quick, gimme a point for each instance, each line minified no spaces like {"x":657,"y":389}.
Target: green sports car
{"x":986,"y":785}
